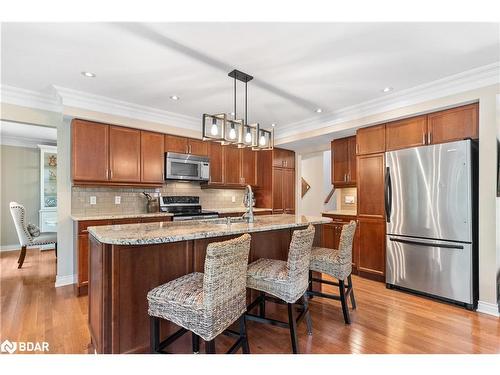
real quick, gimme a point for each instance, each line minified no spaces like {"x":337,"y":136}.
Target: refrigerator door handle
{"x":388,"y":195}
{"x":419,"y":243}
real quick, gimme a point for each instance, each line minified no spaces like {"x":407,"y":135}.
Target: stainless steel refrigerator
{"x":431,"y":213}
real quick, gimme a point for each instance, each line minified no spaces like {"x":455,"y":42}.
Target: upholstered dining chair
{"x":18,"y":213}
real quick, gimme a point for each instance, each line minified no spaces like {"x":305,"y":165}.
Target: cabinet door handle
{"x":357,"y":148}
{"x":430,"y":138}
{"x":423,"y":138}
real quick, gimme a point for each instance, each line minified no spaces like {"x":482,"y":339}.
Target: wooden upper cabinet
{"x":232,"y":165}
{"x":371,"y":175}
{"x":89,"y":151}
{"x":289,"y":159}
{"x":454,"y":124}
{"x":352,"y":160}
{"x":278,"y":157}
{"x":344,"y":162}
{"x":288,"y":181}
{"x":197,"y":147}
{"x":370,"y":140}
{"x":174,"y":143}
{"x":406,"y":133}
{"x":277,"y":190}
{"x":248,"y":166}
{"x":283,"y":158}
{"x":216,"y":164}
{"x":124,"y":154}
{"x":340,"y":161}
{"x":152,"y":157}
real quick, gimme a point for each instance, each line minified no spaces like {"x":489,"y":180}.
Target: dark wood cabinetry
{"x":89,"y":151}
{"x":248,"y":166}
{"x":371,"y":185}
{"x":371,"y":261}
{"x":370,"y":140}
{"x":454,"y":124}
{"x":232,"y":165}
{"x":124,"y":154}
{"x":184,"y":145}
{"x":174,"y":143}
{"x":216,"y":164}
{"x":276,"y":184}
{"x":406,"y":133}
{"x":82,"y":243}
{"x":152,"y":157}
{"x":344,"y":162}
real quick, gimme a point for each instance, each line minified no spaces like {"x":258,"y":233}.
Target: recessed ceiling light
{"x":387,"y":89}
{"x":231,"y":113}
{"x":318,"y":110}
{"x":88,"y":74}
{"x":174,"y":97}
{"x":273,"y":124}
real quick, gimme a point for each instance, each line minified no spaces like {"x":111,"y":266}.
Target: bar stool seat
{"x":208,"y":303}
{"x":331,"y":262}
{"x":337,"y":264}
{"x":271,"y":276}
{"x":287,"y":281}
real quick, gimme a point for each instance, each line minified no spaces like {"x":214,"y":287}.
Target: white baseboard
{"x":15,"y":247}
{"x":65,"y":280}
{"x":488,"y":308}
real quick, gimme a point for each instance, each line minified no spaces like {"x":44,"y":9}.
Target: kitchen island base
{"x":120,"y":277}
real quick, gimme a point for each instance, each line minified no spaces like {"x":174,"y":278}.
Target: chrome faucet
{"x":248,"y":201}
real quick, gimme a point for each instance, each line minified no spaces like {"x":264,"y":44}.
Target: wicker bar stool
{"x":205,"y":303}
{"x":286,"y":281}
{"x":338,"y":264}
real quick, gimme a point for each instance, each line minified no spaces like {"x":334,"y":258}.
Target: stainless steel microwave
{"x":186,"y":167}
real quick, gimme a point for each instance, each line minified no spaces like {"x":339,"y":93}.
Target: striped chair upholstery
{"x":285,"y":280}
{"x":336,"y":263}
{"x":207,"y":303}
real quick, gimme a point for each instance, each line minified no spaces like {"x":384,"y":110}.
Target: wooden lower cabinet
{"x":371,"y":263}
{"x":82,"y":243}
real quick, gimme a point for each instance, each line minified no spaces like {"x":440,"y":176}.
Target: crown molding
{"x":47,"y":101}
{"x":465,"y":81}
{"x":97,"y":103}
{"x":25,"y":142}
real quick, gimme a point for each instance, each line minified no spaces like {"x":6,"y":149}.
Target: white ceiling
{"x":297,"y":66}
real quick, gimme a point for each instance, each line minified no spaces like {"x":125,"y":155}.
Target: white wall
{"x":315,"y":169}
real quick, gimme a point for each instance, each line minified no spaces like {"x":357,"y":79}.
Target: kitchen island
{"x":126,"y":261}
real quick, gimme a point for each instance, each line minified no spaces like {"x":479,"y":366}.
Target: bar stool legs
{"x":351,"y":291}
{"x":345,"y":308}
{"x":245,"y":347}
{"x":305,"y":300}
{"x":195,"y":343}
{"x":210,"y":347}
{"x":154,"y":337}
{"x":293,"y":328}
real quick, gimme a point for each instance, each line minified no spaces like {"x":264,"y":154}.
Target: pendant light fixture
{"x":219,"y":128}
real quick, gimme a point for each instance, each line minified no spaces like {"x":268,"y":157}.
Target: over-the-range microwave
{"x":186,"y":167}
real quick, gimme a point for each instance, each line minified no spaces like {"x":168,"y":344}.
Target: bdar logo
{"x":8,"y":347}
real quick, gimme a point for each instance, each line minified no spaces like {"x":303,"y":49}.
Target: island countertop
{"x":164,"y":232}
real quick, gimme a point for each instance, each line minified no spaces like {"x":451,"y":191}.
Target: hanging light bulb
{"x":214,"y":129}
{"x":248,"y":136}
{"x":232,"y":132}
{"x":262,"y":140}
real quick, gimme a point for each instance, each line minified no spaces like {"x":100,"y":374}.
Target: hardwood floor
{"x":386,"y":321}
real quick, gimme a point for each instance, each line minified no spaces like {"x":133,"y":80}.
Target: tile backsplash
{"x":132,"y":200}
{"x":352,"y":195}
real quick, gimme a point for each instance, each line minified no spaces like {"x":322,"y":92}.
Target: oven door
{"x":182,"y":169}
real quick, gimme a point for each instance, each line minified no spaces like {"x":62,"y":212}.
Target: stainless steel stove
{"x":185,"y":208}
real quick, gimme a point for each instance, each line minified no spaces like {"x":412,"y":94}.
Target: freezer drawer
{"x":439,"y":268}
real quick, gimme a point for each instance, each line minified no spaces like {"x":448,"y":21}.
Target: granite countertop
{"x":156,"y":214}
{"x":341,"y":212}
{"x":154,"y":233}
